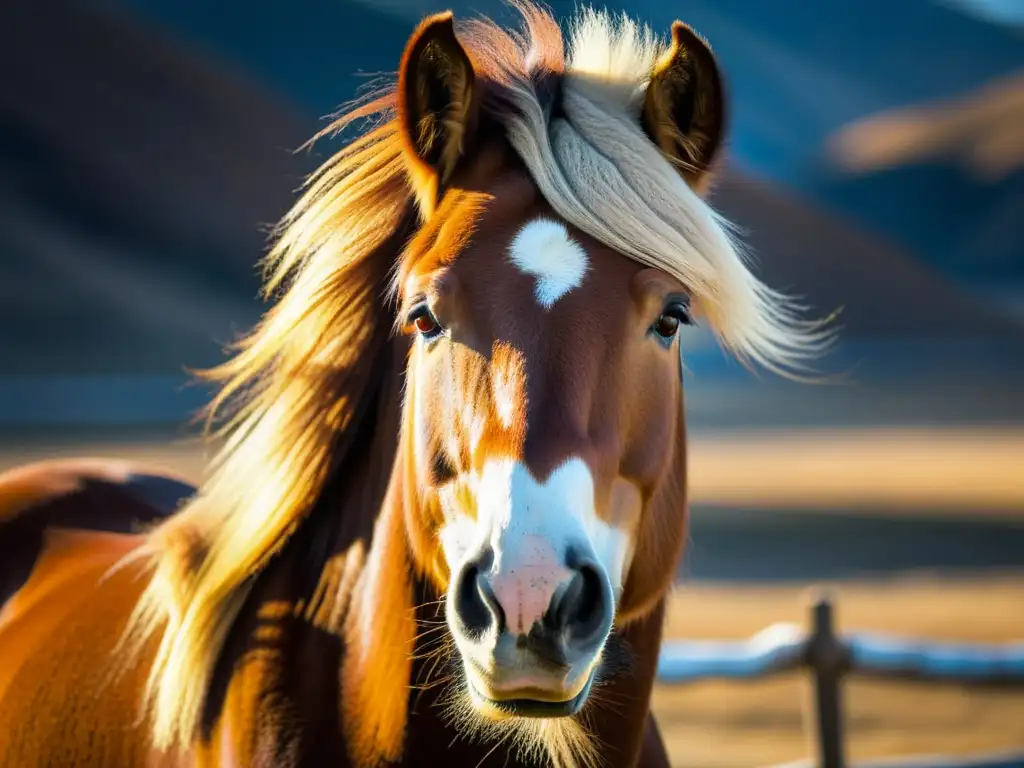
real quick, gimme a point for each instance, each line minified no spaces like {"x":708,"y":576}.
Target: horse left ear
{"x":436,"y":97}
{"x":684,"y":107}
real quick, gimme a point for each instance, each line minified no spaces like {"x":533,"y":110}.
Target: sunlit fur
{"x":290,"y":388}
{"x":293,"y":390}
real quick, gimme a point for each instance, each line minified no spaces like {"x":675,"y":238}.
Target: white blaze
{"x":530,"y":525}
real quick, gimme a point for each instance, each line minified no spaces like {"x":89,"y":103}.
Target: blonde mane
{"x":295,"y":386}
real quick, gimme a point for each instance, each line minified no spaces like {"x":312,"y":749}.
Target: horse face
{"x":545,"y":415}
{"x":544,"y":419}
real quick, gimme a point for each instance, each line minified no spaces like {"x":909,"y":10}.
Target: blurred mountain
{"x":135,"y":178}
{"x":798,"y":73}
{"x":145,"y":145}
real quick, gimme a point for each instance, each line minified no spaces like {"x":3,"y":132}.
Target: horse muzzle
{"x":531,"y":635}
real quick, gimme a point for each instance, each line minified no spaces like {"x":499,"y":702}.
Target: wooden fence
{"x":830,"y":658}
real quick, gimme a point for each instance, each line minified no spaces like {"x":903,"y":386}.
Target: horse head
{"x":564,"y":245}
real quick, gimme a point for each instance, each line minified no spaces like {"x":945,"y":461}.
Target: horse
{"x":449,"y":497}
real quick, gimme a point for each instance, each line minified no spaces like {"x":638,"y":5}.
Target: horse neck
{"x":309,"y":641}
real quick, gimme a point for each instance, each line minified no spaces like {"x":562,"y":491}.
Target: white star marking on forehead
{"x":544,"y":249}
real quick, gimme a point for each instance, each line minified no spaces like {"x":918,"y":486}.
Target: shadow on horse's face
{"x":545,"y":411}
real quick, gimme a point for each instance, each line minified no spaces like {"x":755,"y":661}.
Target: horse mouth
{"x":528,"y":706}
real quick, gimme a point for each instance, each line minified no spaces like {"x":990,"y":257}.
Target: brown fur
{"x":64,"y":524}
{"x":291,"y":614}
{"x":93,"y":494}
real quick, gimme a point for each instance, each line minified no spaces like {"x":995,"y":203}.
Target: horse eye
{"x":425,"y":322}
{"x":667,"y":324}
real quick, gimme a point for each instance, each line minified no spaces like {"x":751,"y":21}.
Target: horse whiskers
{"x":440,"y":656}
{"x":430,"y":631}
{"x":565,"y":742}
{"x":428,"y":679}
{"x":440,"y":651}
{"x":421,"y":620}
{"x":436,"y":645}
{"x":430,"y":685}
{"x":602,"y":697}
{"x":433,"y":657}
{"x":559,"y":742}
{"x":439,"y":601}
{"x":491,"y":751}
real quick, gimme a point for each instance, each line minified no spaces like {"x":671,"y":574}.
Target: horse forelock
{"x":570,"y":107}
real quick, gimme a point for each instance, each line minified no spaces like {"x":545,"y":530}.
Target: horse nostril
{"x":582,"y":609}
{"x":476,"y":607}
{"x":589,"y":611}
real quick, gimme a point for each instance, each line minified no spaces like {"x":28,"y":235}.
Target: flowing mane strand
{"x":293,"y":391}
{"x":296,"y":385}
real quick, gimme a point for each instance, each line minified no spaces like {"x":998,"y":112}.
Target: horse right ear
{"x":684,"y":107}
{"x":437,"y":104}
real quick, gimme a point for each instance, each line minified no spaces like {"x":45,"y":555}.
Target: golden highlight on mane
{"x":293,"y":386}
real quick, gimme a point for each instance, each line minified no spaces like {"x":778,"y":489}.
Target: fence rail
{"x":830,"y":658}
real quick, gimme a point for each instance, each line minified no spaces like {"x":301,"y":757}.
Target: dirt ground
{"x":740,"y":724}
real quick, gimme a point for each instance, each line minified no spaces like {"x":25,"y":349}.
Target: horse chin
{"x":529,"y":704}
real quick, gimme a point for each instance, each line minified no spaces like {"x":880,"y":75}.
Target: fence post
{"x":827,"y":659}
